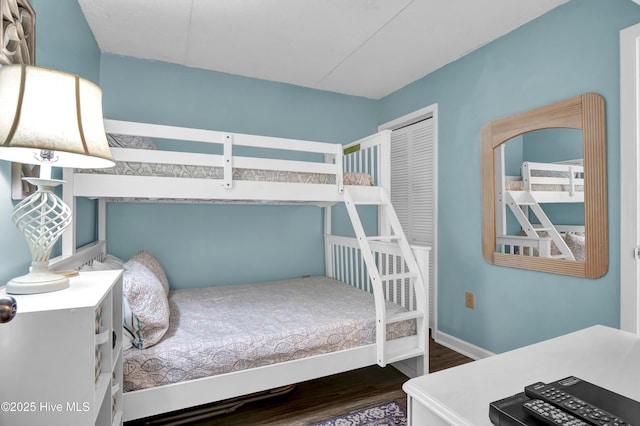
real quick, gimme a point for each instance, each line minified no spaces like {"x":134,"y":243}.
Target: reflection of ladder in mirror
{"x":520,"y":202}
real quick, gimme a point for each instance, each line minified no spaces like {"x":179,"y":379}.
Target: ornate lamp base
{"x":41,"y":218}
{"x":39,"y":280}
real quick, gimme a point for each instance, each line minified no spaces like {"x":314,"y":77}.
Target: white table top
{"x":85,"y":290}
{"x":607,"y":357}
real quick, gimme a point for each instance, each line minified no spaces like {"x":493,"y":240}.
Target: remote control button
{"x":550,"y":414}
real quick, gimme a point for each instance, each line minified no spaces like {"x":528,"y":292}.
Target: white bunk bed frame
{"x":566,"y":176}
{"x":384,"y":265}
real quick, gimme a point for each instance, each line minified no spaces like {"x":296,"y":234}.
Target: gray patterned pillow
{"x":146,"y":313}
{"x":147,"y":259}
{"x":576,"y":243}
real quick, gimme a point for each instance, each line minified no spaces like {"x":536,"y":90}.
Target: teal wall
{"x":201,"y":245}
{"x":571,"y":50}
{"x":64,"y":42}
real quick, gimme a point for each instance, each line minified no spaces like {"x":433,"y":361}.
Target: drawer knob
{"x":8,"y":308}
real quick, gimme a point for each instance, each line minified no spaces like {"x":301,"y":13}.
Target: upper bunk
{"x":557,"y":182}
{"x":160,"y":163}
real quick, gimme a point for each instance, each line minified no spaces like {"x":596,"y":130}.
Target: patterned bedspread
{"x":218,"y":330}
{"x":203,"y":172}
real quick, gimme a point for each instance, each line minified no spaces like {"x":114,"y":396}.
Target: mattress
{"x":207,"y":172}
{"x":218,"y":330}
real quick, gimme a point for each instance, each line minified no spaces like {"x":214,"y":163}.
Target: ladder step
{"x":384,"y":238}
{"x":390,"y":277}
{"x":404,"y":316}
{"x":391,"y":357}
{"x":369,"y":202}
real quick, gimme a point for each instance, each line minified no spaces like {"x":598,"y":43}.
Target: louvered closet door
{"x":413,"y":187}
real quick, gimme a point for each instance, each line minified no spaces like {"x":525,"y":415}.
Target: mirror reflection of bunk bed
{"x":370,"y":308}
{"x":523,"y":223}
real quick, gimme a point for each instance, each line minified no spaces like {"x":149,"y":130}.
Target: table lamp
{"x":48,"y":118}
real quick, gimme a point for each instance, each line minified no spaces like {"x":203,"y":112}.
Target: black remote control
{"x":551,"y":414}
{"x":583,"y":410}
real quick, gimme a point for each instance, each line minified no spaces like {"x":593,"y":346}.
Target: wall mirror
{"x":544,"y":189}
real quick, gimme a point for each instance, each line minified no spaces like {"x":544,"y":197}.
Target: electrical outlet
{"x":470,"y":300}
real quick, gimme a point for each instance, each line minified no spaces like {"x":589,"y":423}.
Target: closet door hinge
{"x":636,"y":252}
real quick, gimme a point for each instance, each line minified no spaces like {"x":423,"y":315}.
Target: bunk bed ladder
{"x":526,"y":200}
{"x":389,"y":351}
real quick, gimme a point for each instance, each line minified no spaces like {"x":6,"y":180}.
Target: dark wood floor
{"x":320,"y":399}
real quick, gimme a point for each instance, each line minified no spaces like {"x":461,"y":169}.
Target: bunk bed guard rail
{"x":228,"y":160}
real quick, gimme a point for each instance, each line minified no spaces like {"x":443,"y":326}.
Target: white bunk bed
{"x":382,"y":267}
{"x":525,"y":195}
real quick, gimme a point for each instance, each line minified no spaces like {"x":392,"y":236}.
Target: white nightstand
{"x":62,"y":355}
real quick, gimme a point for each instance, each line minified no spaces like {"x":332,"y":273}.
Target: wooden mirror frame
{"x":586,"y":113}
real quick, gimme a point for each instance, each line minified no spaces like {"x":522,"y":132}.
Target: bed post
{"x":228,"y":161}
{"x":69,"y":234}
{"x":102,"y":220}
{"x":501,"y":219}
{"x":422,"y":254}
{"x":384,"y":178}
{"x":328,"y":253}
{"x":339,"y":162}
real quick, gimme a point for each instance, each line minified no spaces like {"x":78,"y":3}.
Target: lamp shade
{"x":44,"y":110}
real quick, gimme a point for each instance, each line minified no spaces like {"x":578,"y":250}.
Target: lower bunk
{"x":223,"y":342}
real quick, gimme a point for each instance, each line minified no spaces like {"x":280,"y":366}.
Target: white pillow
{"x":109,"y":263}
{"x":146,"y":308}
{"x":98,"y":266}
{"x":113,"y":261}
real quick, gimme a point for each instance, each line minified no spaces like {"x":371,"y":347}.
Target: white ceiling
{"x":367,"y":48}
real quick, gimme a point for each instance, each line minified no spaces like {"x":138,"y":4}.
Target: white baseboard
{"x":461,"y":346}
